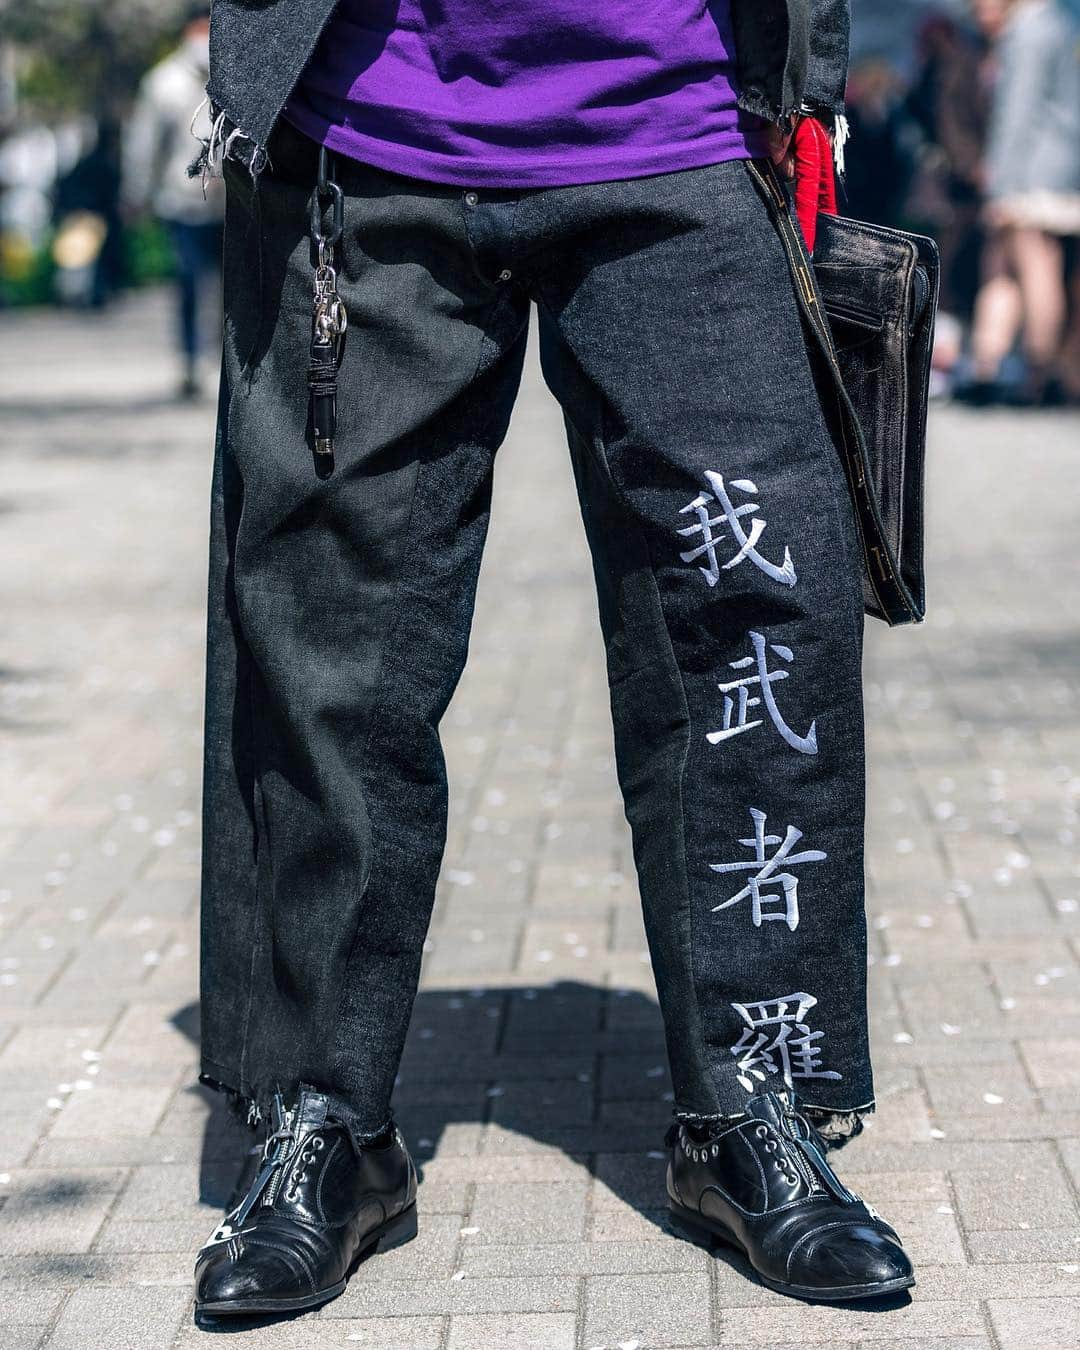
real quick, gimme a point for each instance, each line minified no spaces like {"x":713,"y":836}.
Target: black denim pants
{"x":727,"y":571}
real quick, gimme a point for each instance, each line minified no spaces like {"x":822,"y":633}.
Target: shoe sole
{"x":701,"y":1223}
{"x":393,"y":1233}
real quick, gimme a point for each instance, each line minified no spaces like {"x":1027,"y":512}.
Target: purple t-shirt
{"x":526,"y":93}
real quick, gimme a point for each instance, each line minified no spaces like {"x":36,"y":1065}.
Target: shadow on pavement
{"x":568,"y":1066}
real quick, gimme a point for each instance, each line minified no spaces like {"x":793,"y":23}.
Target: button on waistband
{"x":472,"y":199}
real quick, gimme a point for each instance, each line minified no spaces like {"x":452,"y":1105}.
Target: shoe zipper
{"x":803,"y":1168}
{"x":275,"y":1163}
{"x":267,"y":1180}
{"x":275,"y":1184}
{"x":795,"y":1151}
{"x":810,"y":1161}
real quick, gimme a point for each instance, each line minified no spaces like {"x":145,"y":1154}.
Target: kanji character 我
{"x":730,"y":516}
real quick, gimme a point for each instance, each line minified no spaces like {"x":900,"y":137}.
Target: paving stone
{"x":462,"y":1098}
{"x":120,"y":1319}
{"x":630,"y":1077}
{"x":533,"y":1105}
{"x":930,"y":1233}
{"x":161,"y":1235}
{"x":983,"y":1089}
{"x":112,"y":1110}
{"x":1026,"y":1244}
{"x":634,"y":1124}
{"x":550,"y":1139}
{"x":1035,"y":1193}
{"x":1053,"y":1063}
{"x":14,"y":1337}
{"x":1070,"y":1154}
{"x":318,"y":1332}
{"x":67,"y":1270}
{"x":512,"y":1170}
{"x":448,"y":1137}
{"x":431,"y":1255}
{"x":582,"y":1258}
{"x":442,"y":1196}
{"x":634,"y":1179}
{"x":63,"y":1047}
{"x":1034,"y":1124}
{"x":1060,"y":1279}
{"x":425,"y":1066}
{"x":931,"y":1343}
{"x":123,"y":1151}
{"x":172,"y":1191}
{"x":1050,"y":1324}
{"x":906,"y":1115}
{"x":619,"y":1222}
{"x":149,"y":1030}
{"x":57,"y":1211}
{"x":522,"y":1331}
{"x":660,"y":1310}
{"x":485,"y":957}
{"x":529,"y":1212}
{"x":29,"y":1306}
{"x":785,"y":1320}
{"x":950,"y":1154}
{"x":24,"y":1114}
{"x":564,"y":1102}
{"x":413,"y":1298}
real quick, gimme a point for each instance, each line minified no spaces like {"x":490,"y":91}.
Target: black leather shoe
{"x":315,"y":1207}
{"x":762,"y":1185}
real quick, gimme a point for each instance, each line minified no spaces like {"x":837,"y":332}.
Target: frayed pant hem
{"x":837,"y":1127}
{"x":251,"y":1111}
{"x":834,"y":1126}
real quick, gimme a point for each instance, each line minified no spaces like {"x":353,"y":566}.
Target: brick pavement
{"x":535,"y":1057}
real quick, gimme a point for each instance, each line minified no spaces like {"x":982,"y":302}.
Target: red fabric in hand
{"x":815,"y":178}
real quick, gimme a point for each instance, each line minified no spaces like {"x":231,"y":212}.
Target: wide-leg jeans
{"x":728,"y":576}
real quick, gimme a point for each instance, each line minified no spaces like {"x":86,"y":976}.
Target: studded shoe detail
{"x":762,"y":1184}
{"x":316,"y":1205}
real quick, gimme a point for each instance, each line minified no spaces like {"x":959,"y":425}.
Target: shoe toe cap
{"x":252,"y":1273}
{"x":858,"y":1257}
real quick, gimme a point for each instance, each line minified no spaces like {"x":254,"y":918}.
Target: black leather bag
{"x":870,"y":300}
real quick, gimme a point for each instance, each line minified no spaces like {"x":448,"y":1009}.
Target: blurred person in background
{"x":949,"y":102}
{"x":1032,"y":212}
{"x":158,"y":149}
{"x":89,"y":244}
{"x":879,"y":176}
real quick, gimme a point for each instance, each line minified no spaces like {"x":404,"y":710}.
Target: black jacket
{"x":790,"y":54}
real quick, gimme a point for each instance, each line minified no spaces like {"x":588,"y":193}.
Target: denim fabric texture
{"x":340,"y":607}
